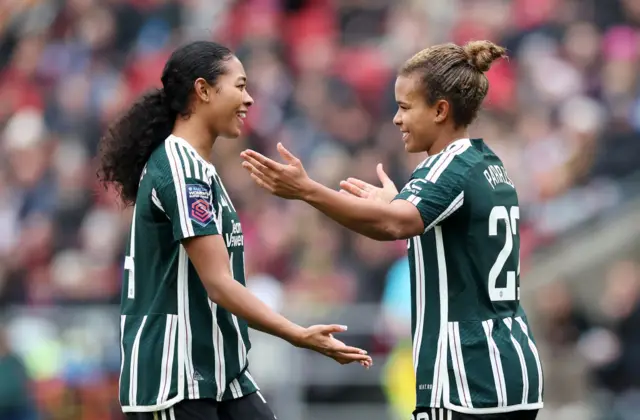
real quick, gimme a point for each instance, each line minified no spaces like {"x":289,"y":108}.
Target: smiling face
{"x":418,"y":122}
{"x":226,"y":102}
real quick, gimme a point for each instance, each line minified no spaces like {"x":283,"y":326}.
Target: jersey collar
{"x":191,"y":149}
{"x":449,"y":147}
{"x":457,"y":143}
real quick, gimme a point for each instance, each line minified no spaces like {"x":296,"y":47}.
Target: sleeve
{"x":190,"y":204}
{"x":436,"y":193}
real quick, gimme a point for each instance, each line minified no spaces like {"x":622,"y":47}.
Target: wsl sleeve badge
{"x":200,"y":204}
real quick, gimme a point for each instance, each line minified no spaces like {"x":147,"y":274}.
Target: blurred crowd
{"x":563,"y":113}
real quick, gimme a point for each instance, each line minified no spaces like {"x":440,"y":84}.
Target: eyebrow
{"x":242,"y":79}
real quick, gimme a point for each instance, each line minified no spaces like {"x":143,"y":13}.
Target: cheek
{"x":420,"y":122}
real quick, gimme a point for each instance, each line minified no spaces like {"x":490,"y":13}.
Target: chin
{"x":410,"y":148}
{"x":232,"y":134}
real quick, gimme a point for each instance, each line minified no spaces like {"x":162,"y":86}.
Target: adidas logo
{"x":197,"y":376}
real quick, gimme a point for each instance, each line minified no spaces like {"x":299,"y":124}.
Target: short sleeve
{"x":436,"y":192}
{"x":190,"y":205}
{"x":186,"y":193}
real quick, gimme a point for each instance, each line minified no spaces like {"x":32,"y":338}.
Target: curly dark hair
{"x":130,"y":140}
{"x":455,"y":73}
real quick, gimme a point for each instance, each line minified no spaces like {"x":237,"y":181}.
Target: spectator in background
{"x":563,"y":114}
{"x":562,"y":323}
{"x":15,"y":398}
{"x":617,"y":353}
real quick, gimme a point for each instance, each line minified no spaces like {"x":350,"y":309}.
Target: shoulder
{"x":453,"y":163}
{"x":176,"y":162}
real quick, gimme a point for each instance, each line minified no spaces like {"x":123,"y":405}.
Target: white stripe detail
{"x":413,"y":199}
{"x":129,"y":260}
{"x":168,"y":352}
{"x":133,"y":368}
{"x":443,"y":285}
{"x":178,"y":180}
{"x":156,"y":200}
{"x":185,"y":161}
{"x":447,"y":157}
{"x":181,"y":327}
{"x":458,"y":365}
{"x":428,"y":161}
{"x":437,"y":379}
{"x":455,"y":205}
{"x":496,"y":364}
{"x":224,"y":191}
{"x":433,"y":414}
{"x":534,"y":350}
{"x":196,"y":167}
{"x":420,"y":303}
{"x":218,"y":352}
{"x":431,"y":160}
{"x":261,"y":396}
{"x":163,"y":415}
{"x":250,"y":378}
{"x":123,"y":321}
{"x":523,"y":364}
{"x":242,"y":349}
{"x":234,"y":386}
{"x":183,"y":285}
{"x":166,"y":343}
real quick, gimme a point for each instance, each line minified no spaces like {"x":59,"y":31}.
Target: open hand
{"x":359,"y":188}
{"x":320,"y":338}
{"x":288,"y":180}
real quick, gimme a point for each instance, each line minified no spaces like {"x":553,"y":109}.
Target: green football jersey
{"x":176,"y":343}
{"x":473,"y":350}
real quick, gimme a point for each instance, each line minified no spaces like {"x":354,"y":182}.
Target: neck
{"x":195,"y":133}
{"x":446,"y":138}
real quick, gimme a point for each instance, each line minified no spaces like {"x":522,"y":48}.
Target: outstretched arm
{"x":210,"y":259}
{"x":376,"y":219}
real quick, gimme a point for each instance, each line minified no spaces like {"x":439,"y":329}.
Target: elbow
{"x":398,"y":231}
{"x":392,"y":232}
{"x":215,"y":288}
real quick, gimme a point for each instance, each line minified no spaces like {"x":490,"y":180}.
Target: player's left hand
{"x":288,"y":180}
{"x":359,"y":188}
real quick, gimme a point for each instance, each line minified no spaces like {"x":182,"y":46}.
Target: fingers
{"x":255,"y":164}
{"x":258,"y":177}
{"x":365,"y":186}
{"x":382,"y":175}
{"x":351,"y":189}
{"x":334,"y":328}
{"x":345,"y":358}
{"x":366,"y":364}
{"x":265,"y":161}
{"x":287,"y":155}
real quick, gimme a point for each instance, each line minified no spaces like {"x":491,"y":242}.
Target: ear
{"x":442,"y":110}
{"x":202,"y":89}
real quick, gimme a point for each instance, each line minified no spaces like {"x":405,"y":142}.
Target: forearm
{"x":369,"y":218}
{"x":238,"y":300}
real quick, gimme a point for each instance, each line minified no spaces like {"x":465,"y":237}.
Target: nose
{"x":397,"y":119}
{"x":247,"y":100}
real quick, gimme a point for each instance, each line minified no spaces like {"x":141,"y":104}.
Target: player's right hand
{"x":359,"y":188}
{"x":320,"y":338}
